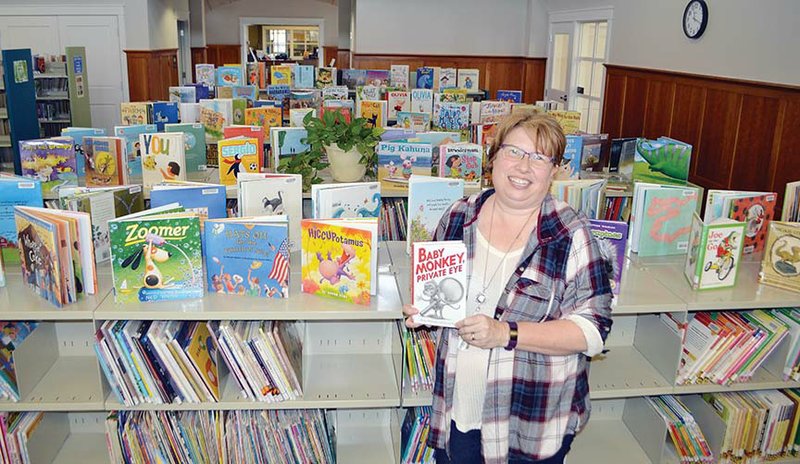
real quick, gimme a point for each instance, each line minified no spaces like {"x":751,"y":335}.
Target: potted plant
{"x":350,"y":146}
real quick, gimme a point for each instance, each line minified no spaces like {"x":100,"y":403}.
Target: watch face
{"x":695,"y":18}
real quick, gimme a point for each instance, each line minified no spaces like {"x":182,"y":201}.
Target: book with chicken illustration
{"x":780,"y":266}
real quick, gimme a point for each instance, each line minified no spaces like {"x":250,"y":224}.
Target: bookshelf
{"x":62,"y":93}
{"x":17,"y":99}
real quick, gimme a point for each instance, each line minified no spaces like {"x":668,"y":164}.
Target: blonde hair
{"x":543,"y":129}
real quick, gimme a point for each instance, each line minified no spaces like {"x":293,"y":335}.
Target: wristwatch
{"x":513,"y":334}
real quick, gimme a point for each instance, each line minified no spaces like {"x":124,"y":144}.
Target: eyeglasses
{"x":516,"y":153}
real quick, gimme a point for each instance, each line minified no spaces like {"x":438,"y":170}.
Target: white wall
{"x":745,"y":39}
{"x":222,"y":22}
{"x":442,"y":27}
{"x":344,"y":24}
{"x":537,"y":28}
{"x":163,"y":18}
{"x":197,"y":23}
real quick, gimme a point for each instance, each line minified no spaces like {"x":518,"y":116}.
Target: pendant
{"x":480,"y":297}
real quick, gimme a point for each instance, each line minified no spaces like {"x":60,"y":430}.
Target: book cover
{"x":265,"y":117}
{"x":353,"y":78}
{"x":570,"y":121}
{"x":422,"y":100}
{"x":571,"y":161}
{"x":425,"y":78}
{"x":247,"y":92}
{"x":208,"y":201}
{"x":398,"y":101}
{"x":199,"y":347}
{"x":397,"y":161}
{"x":511,"y":96}
{"x":255,"y":132}
{"x":439,"y":282}
{"x":304,"y":77}
{"x":715,"y":253}
{"x":305,"y":99}
{"x":493,"y":111}
{"x":248,"y":256}
{"x":38,"y":244}
{"x":182,"y":94}
{"x":106,"y":161}
{"x":132,"y":113}
{"x":666,"y":221}
{"x":77,"y":134}
{"x":447,"y":78}
{"x":451,"y":95}
{"x":436,"y":139}
{"x":287,"y":142}
{"x":611,"y":236}
{"x":229,"y":76}
{"x":189,"y":112}
{"x":239,"y":154}
{"x":201,"y":91}
{"x":621,"y":158}
{"x":50,"y":161}
{"x":469,"y":79}
{"x":335,"y":92}
{"x":133,"y":150}
{"x":791,"y":202}
{"x":780,"y":266}
{"x":755,"y":211}
{"x":398,"y":76}
{"x":417,"y":122}
{"x":593,"y":153}
{"x":326,"y":77}
{"x":379,"y":78}
{"x":368,"y":92}
{"x":162,"y":157}
{"x":164,"y":113}
{"x":428,"y":198}
{"x":350,"y":200}
{"x":374,"y":112}
{"x":214,"y":115}
{"x":268,"y":194}
{"x":338,"y":259}
{"x":297,"y":115}
{"x":462,"y":161}
{"x":156,"y":258}
{"x":204,"y":74}
{"x":194,"y":144}
{"x":661,"y":161}
{"x":239,"y":106}
{"x":280,"y":75}
{"x":453,"y":117}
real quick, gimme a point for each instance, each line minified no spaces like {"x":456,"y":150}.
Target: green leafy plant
{"x":307,"y":164}
{"x":333,"y":128}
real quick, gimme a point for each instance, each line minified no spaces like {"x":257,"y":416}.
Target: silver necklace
{"x":481,"y":296}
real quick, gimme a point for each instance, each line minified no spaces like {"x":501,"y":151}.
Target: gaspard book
{"x":439,"y":282}
{"x":780,"y":266}
{"x":267,"y":194}
{"x":715,"y":253}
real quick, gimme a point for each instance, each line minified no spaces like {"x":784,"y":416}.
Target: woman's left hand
{"x":482,"y":331}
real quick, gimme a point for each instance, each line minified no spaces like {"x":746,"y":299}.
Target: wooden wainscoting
{"x":222,"y":54}
{"x":330,"y":53}
{"x":343,"y":58}
{"x":496,"y":72}
{"x":745,"y":135}
{"x":151,"y":72}
{"x":199,"y":56}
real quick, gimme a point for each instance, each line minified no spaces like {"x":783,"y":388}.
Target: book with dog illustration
{"x":339,"y":258}
{"x":715,"y":252}
{"x":156,"y":255}
{"x":248,"y":256}
{"x":439,"y":282}
{"x":780,"y":266}
{"x":267,"y":194}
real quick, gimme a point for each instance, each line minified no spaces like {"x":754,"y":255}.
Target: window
{"x":296,"y":41}
{"x":590,"y":73}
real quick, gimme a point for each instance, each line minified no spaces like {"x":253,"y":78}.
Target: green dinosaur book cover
{"x":156,"y":257}
{"x":662,"y":161}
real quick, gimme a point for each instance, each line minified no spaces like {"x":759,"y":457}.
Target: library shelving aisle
{"x":352,"y":358}
{"x":643,"y":357}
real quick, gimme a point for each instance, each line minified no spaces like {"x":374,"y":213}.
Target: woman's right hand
{"x":409,"y":311}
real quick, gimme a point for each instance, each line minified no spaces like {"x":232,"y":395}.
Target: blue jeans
{"x":465,"y":448}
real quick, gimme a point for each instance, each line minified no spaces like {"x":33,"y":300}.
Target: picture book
{"x":335,"y":92}
{"x":182,"y":94}
{"x":339,"y":258}
{"x":422,"y":101}
{"x":280,"y":75}
{"x":585,"y":195}
{"x":77,"y":134}
{"x":287,"y":142}
{"x":346,"y":200}
{"x":256,"y":73}
{"x":326,"y":77}
{"x":791,"y":202}
{"x":398,"y":100}
{"x":345,"y":111}
{"x":156,"y":256}
{"x":436,"y":139}
{"x":229,"y":76}
{"x":623,"y":152}
{"x":130,"y":134}
{"x":526,"y":108}
{"x":194,"y":144}
{"x":132,"y":113}
{"x":780,"y":266}
{"x":469,"y":79}
{"x":304,"y":77}
{"x":571,"y":161}
{"x":452,"y":117}
{"x":661,"y":219}
{"x":439,"y":282}
{"x":428,"y":199}
{"x":15,"y":191}
{"x":447,"y":78}
{"x":305,"y":99}
{"x":265,"y":117}
{"x":165,"y":113}
{"x":214,"y":116}
{"x":353,"y":78}
{"x":50,"y":161}
{"x":715,"y":253}
{"x":461,"y":161}
{"x":106,"y":161}
{"x":492,"y":111}
{"x":297,"y":115}
{"x":611,"y":237}
{"x":397,"y":134}
{"x":2,"y":271}
{"x":256,"y":132}
{"x":224,"y":92}
{"x":199,"y":354}
{"x":398,"y":76}
{"x":208,"y":201}
{"x":267,"y":194}
{"x":511,"y":96}
{"x":368,"y":92}
{"x":451,"y":95}
{"x":397,"y":161}
{"x":247,"y":92}
{"x":379,"y":78}
{"x":594,"y":153}
{"x":756,"y":209}
{"x":426,"y":78}
{"x":204,"y":74}
{"x":248,"y":256}
{"x":202,"y":91}
{"x":417,"y":122}
{"x":570,"y":121}
{"x":239,"y":154}
{"x":239,"y":105}
{"x":38,"y":244}
{"x":374,"y":112}
{"x":663,"y":161}
{"x":163,"y":157}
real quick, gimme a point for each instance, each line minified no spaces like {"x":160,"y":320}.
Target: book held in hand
{"x":439,"y":282}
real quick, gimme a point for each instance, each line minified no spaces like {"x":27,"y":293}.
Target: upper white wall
{"x":197,"y":22}
{"x":222,"y":22}
{"x":442,"y":27}
{"x":163,"y":18}
{"x":537,"y":28}
{"x":344,"y":24}
{"x":745,"y":39}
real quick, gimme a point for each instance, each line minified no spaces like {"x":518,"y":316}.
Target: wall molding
{"x":583,"y":14}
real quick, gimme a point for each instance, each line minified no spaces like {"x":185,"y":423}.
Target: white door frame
{"x":58,"y":9}
{"x":252,"y":21}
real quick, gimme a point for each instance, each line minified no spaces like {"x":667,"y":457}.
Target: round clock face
{"x":695,"y":18}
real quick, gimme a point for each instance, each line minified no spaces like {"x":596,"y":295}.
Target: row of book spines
{"x":420,"y":352}
{"x":393,"y":219}
{"x":414,"y":433}
{"x":617,"y":209}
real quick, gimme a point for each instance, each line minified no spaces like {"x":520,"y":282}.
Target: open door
{"x":559,"y":63}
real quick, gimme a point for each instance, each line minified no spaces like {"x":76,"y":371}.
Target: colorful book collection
{"x":413,"y":435}
{"x":685,"y":434}
{"x":12,"y":335}
{"x":15,"y":429}
{"x":420,"y":348}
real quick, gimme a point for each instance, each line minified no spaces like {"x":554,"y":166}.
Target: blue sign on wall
{"x":77,"y":64}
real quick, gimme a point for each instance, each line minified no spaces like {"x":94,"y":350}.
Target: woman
{"x":512,"y":380}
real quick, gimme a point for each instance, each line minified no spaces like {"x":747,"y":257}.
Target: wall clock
{"x":695,"y":19}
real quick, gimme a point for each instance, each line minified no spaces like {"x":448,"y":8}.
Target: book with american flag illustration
{"x":248,"y":256}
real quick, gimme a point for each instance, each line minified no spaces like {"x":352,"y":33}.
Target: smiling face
{"x":517,"y":183}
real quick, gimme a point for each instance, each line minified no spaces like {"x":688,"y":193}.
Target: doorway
{"x":184,"y":54}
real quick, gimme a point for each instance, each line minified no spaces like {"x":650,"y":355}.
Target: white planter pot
{"x":345,"y":165}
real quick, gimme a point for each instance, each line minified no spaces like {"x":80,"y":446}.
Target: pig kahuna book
{"x":439,"y":282}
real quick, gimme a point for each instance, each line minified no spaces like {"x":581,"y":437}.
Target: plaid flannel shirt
{"x":532,"y":400}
